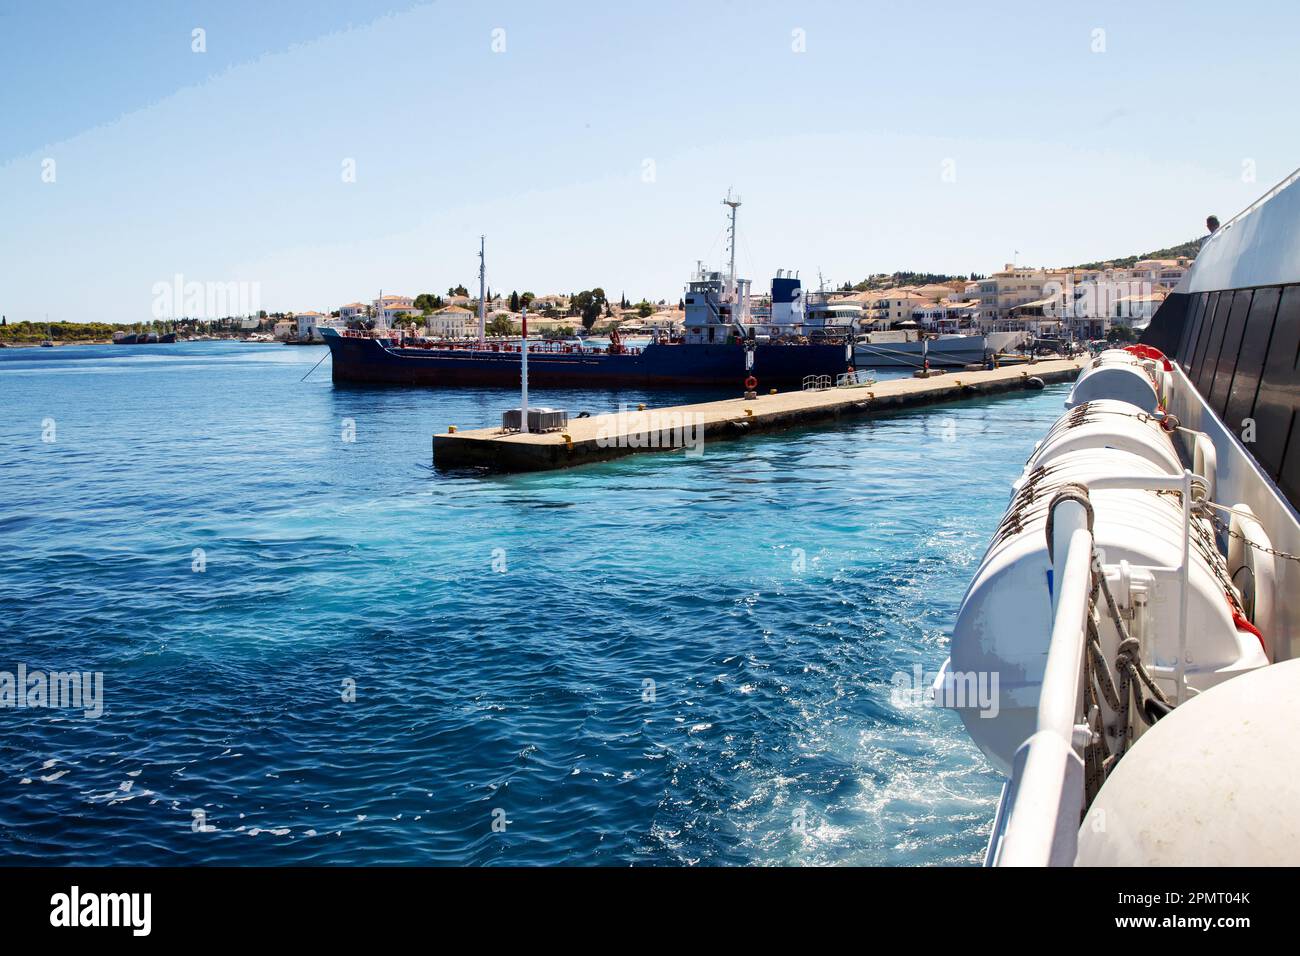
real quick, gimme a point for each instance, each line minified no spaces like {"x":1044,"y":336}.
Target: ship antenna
{"x":731,"y":276}
{"x":482,"y":292}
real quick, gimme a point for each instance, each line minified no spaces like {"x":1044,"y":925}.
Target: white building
{"x":352,"y":312}
{"x":452,"y":322}
{"x":1161,"y":273}
{"x":393,"y":310}
{"x":947,"y":316}
{"x":310,"y":324}
{"x":1003,"y":291}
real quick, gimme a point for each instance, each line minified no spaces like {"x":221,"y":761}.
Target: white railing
{"x":1046,"y":791}
{"x":1038,"y":818}
{"x":816,"y":383}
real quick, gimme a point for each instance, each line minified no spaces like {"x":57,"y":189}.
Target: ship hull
{"x":943,"y":353}
{"x":365,"y":360}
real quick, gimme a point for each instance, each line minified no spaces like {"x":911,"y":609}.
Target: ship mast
{"x":731,"y":274}
{"x":482,"y":294}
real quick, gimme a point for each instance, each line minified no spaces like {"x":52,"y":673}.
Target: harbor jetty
{"x":602,"y":437}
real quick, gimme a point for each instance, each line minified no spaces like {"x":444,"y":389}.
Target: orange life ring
{"x":751,"y":383}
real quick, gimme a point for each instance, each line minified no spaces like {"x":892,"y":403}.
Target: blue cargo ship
{"x":720,"y":346}
{"x":367,"y":357}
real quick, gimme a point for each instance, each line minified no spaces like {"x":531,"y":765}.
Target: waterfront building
{"x":451,"y":322}
{"x":309,"y":324}
{"x":352,"y":312}
{"x":884,"y":309}
{"x":392,"y":310}
{"x":950,"y":315}
{"x":1161,"y":273}
{"x":1004,"y":291}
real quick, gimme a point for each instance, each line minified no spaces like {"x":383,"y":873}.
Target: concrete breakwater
{"x":684,"y":428}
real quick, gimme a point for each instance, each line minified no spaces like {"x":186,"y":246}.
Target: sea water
{"x":314,"y":648}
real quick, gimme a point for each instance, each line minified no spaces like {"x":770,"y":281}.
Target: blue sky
{"x":227,"y":165}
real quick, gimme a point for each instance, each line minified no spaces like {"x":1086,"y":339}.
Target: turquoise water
{"x":500,"y":631}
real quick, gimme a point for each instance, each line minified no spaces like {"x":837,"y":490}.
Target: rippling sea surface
{"x":660,"y":660}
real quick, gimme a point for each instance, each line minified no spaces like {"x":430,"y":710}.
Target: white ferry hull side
{"x":943,"y":353}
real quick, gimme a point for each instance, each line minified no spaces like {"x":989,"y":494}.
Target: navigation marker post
{"x":523,"y":370}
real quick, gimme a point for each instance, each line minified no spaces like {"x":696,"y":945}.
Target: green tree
{"x":645,"y":309}
{"x":588,"y":305}
{"x":514,"y":301}
{"x":501,"y":325}
{"x":458,"y":290}
{"x":426,"y":302}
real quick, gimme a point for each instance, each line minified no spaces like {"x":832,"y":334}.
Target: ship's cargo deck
{"x":683,"y":427}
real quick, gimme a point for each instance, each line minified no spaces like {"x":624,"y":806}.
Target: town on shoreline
{"x":1097,"y":300}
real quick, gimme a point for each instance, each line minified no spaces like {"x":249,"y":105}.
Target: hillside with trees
{"x":26,"y":332}
{"x":892,"y":280}
{"x":1186,"y":249}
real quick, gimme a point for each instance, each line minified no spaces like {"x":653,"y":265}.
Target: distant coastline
{"x":28,"y":343}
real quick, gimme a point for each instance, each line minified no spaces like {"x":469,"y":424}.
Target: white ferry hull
{"x":955,"y":351}
{"x":1134,"y":604}
{"x":943,"y":353}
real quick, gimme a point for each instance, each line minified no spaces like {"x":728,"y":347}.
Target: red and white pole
{"x":523,"y":369}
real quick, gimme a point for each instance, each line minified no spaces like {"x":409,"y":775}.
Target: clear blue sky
{"x":227,"y":165}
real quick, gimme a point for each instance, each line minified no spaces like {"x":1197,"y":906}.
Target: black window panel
{"x":1289,"y":478}
{"x":1187,"y":332}
{"x":1203,"y":336}
{"x":1250,"y":360}
{"x":1214,"y":344}
{"x":1221,"y":383}
{"x":1191,"y":328}
{"x":1279,"y":391}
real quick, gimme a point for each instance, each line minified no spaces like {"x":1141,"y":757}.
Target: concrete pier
{"x":602,"y":437}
